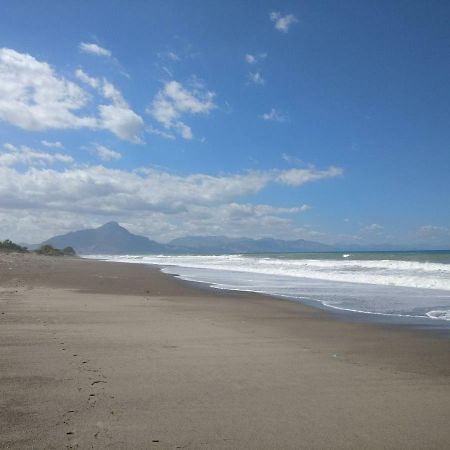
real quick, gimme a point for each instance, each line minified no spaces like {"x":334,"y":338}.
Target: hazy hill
{"x":110,"y":238}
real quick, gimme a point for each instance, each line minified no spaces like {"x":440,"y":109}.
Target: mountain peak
{"x":110,"y":238}
{"x":111,"y":225}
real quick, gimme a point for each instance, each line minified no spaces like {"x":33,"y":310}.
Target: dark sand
{"x":121,"y":356}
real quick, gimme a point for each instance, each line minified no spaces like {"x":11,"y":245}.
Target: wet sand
{"x":122,"y":356}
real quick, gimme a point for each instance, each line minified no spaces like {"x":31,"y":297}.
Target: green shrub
{"x":9,"y":246}
{"x":48,"y":250}
{"x":69,"y":251}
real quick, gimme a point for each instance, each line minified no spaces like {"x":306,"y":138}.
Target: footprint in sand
{"x":92,"y":399}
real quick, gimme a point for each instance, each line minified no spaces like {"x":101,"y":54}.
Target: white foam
{"x":415,"y":274}
{"x":439,"y":314}
{"x":383,"y":287}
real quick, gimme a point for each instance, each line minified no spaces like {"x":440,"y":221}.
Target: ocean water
{"x":410,"y":284}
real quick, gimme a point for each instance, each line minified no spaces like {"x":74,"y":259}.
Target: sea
{"x":389,"y":284}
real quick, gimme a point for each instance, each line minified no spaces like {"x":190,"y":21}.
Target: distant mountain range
{"x":112,"y":238}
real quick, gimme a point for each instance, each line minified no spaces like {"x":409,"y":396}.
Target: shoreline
{"x":365,"y":301}
{"x":115,"y":355}
{"x":422,"y":323}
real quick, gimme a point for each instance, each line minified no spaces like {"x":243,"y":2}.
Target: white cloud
{"x":33,"y":97}
{"x":12,"y":156}
{"x":94,"y":49}
{"x":175,"y":101}
{"x":99,"y":189}
{"x":250,"y":59}
{"x":291,"y":159}
{"x":152,"y":130}
{"x":235,"y":220}
{"x":117,"y":117}
{"x":184,"y":130}
{"x":239,"y":209}
{"x":253,"y":59}
{"x":106,"y":154}
{"x":297,"y":177}
{"x":173,"y":56}
{"x":373,"y":228}
{"x":33,"y":225}
{"x":122,"y":121}
{"x":256,"y":78}
{"x":274,"y":116}
{"x":282,"y":23}
{"x":85,"y":78}
{"x":56,"y":144}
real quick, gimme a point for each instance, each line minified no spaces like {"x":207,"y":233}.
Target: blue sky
{"x":316,"y":119}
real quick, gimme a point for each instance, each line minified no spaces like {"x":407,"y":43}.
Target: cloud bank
{"x":187,"y":203}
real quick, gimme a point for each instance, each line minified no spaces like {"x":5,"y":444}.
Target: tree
{"x":8,"y":246}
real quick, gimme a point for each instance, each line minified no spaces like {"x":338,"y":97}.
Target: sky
{"x":319,"y":120}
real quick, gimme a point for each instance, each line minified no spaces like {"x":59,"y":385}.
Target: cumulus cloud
{"x":55,"y":144}
{"x":122,"y":121}
{"x":174,"y":101}
{"x":282,"y":23}
{"x":94,"y":49}
{"x":106,"y":154}
{"x":23,"y":155}
{"x":85,"y":78}
{"x":274,"y":116}
{"x":256,"y":78}
{"x":33,"y":97}
{"x":116,"y":117}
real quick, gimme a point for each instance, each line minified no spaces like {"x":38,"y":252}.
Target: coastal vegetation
{"x":49,"y":250}
{"x":8,"y":246}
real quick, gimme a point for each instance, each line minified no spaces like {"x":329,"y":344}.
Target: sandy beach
{"x":109,"y":355}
